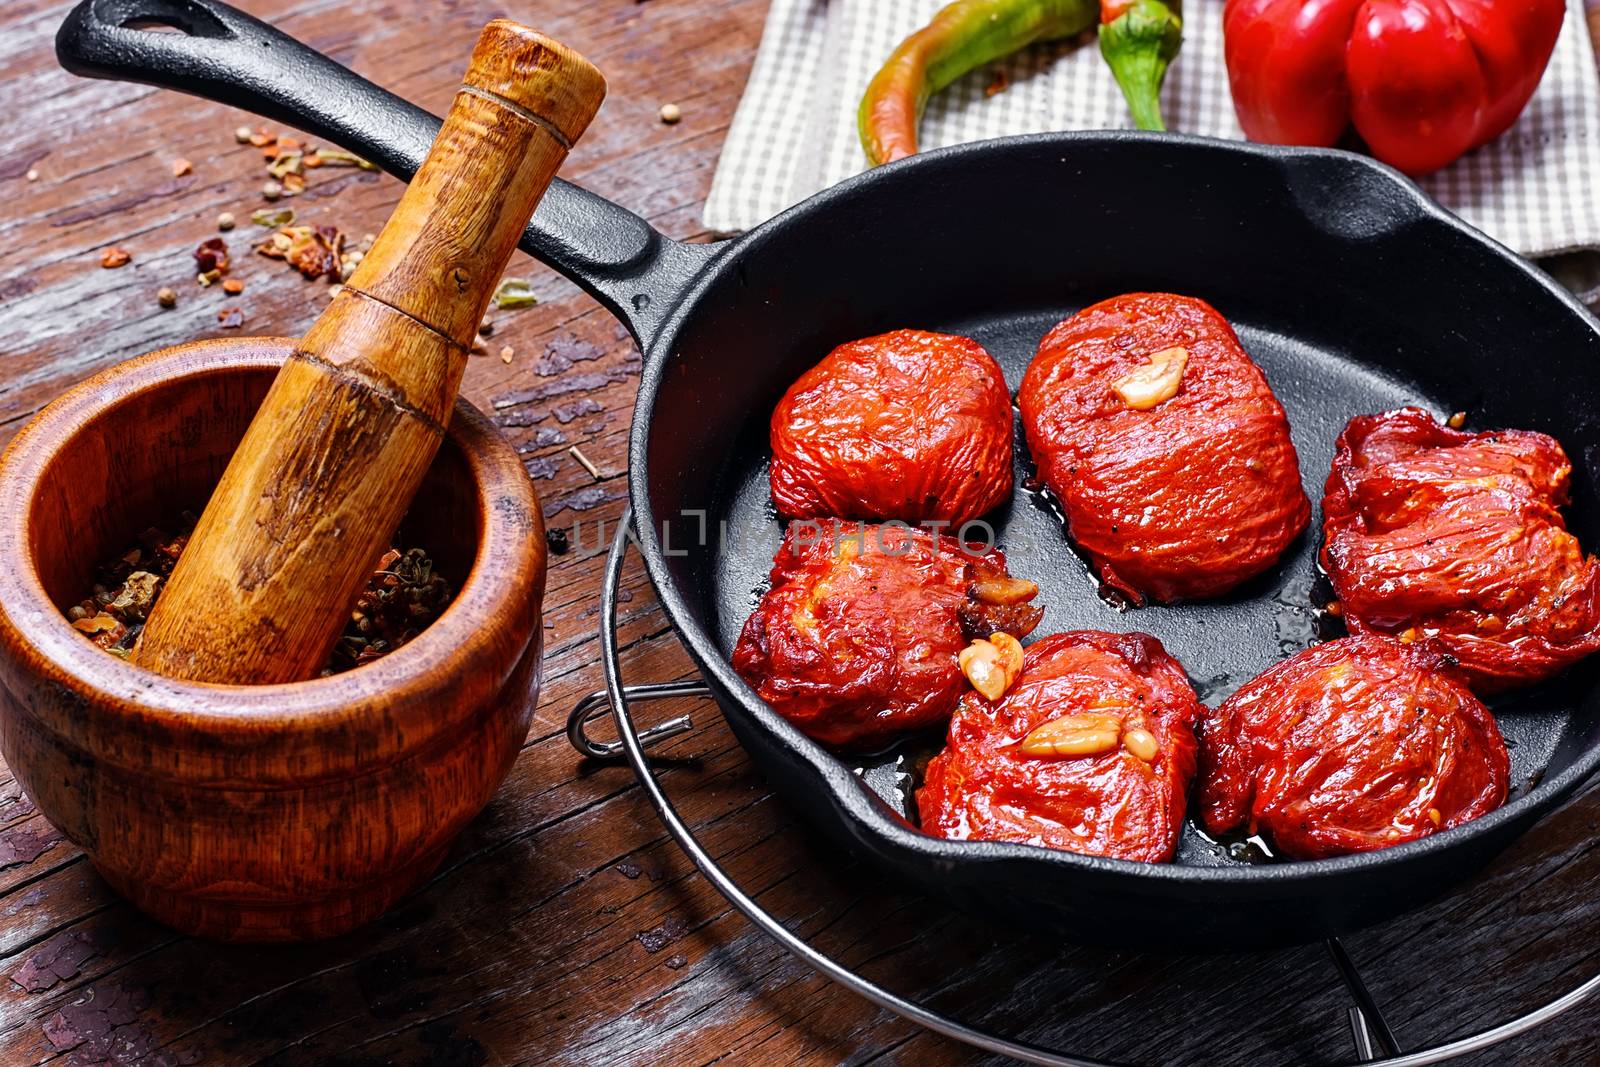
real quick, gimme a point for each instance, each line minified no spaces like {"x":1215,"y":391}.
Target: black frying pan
{"x":1352,"y":290}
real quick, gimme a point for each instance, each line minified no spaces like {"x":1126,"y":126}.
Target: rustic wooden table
{"x":564,"y":927}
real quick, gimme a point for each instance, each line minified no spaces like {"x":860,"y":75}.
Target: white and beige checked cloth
{"x":1536,"y":189}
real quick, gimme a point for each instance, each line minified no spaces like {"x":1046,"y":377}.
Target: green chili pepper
{"x":1139,"y":40}
{"x":961,"y":37}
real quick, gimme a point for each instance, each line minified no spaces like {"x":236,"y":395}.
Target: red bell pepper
{"x":1421,"y":81}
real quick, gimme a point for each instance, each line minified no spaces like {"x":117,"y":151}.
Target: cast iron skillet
{"x":1352,"y":290}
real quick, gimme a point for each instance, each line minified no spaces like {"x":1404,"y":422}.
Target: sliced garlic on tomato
{"x":1154,"y":383}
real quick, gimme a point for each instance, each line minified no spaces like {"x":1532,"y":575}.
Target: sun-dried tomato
{"x":907,"y":425}
{"x":857,"y":640}
{"x":1091,"y":750}
{"x":1165,"y":445}
{"x":1353,"y":745}
{"x":1431,"y":532}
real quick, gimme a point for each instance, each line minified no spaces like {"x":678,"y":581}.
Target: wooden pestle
{"x":330,"y":463}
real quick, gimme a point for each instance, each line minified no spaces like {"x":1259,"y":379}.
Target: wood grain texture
{"x":350,"y":426}
{"x":562,"y":927}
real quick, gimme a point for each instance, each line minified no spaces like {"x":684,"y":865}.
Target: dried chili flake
{"x":314,"y":251}
{"x":293,"y":184}
{"x":181,"y":167}
{"x":233,"y":287}
{"x":212,"y":255}
{"x":230,"y":318}
{"x":114,"y":256}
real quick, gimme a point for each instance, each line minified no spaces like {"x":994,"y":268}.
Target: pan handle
{"x":223,"y":54}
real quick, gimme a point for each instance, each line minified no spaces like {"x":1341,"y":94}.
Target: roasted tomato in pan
{"x":1352,"y":745}
{"x":1164,"y":444}
{"x":1091,"y":750}
{"x":907,"y":425}
{"x":858,"y":640}
{"x":1432,"y":532}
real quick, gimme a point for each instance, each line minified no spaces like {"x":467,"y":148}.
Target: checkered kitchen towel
{"x":1536,"y":189}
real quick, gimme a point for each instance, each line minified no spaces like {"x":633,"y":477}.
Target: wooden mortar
{"x":269,"y":812}
{"x":331,"y":461}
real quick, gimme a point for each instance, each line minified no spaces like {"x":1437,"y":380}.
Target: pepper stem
{"x":1138,"y":45}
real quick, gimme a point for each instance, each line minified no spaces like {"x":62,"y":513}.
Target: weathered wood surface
{"x":564,"y":928}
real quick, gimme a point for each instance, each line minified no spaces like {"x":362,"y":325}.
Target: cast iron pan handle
{"x":222,"y":54}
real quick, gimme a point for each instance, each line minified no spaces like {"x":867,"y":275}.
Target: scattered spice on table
{"x":314,"y":251}
{"x":181,"y":167}
{"x":212,"y":260}
{"x":230,"y":318}
{"x":671,"y":114}
{"x":514,"y":293}
{"x":114,"y":257}
{"x":585,"y":462}
{"x":404,"y":595}
{"x":211,"y":256}
{"x":556,"y":538}
{"x":242,"y":134}
{"x":506,"y":352}
{"x":233,"y":287}
{"x":167,"y":297}
{"x":288,"y":158}
{"x":225,"y":221}
{"x":272,"y":219}
{"x":33,"y":175}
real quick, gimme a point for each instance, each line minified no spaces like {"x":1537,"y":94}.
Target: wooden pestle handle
{"x":331,"y":461}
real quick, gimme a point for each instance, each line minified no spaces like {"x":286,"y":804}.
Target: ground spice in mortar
{"x":403,"y":596}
